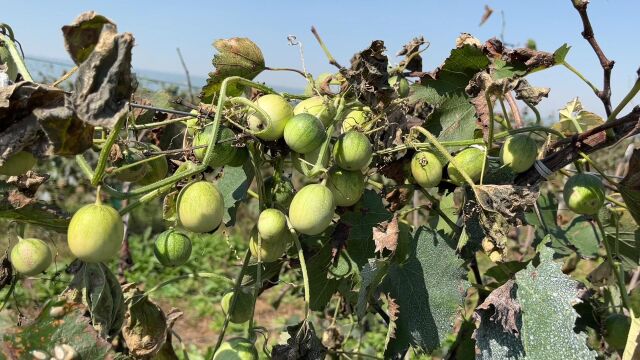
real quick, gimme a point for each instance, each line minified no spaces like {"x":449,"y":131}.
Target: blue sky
{"x":346,"y":26}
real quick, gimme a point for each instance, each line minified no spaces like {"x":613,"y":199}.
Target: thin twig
{"x":332,"y":60}
{"x":607,"y":65}
{"x":517,"y":118}
{"x":186,"y":71}
{"x":65,"y":76}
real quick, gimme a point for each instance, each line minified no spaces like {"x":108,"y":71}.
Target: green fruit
{"x":240,"y":157}
{"x":242,"y":311}
{"x":304,"y":133}
{"x":135,"y":173}
{"x":95,"y":233}
{"x":346,"y":186}
{"x":584,"y":194}
{"x":279,"y":111}
{"x":278,"y":193}
{"x":469,"y":160}
{"x":310,"y":158}
{"x":223,"y":151}
{"x":357,"y":120}
{"x":157,"y":169}
{"x":352,"y":151}
{"x":272,"y":224}
{"x":312,"y":209}
{"x":401,"y":86}
{"x":426,"y":169}
{"x":616,"y":330}
{"x":317,"y":106}
{"x":236,"y":349}
{"x":172,"y":248}
{"x":18,"y":164}
{"x":31,"y":256}
{"x":200,"y":207}
{"x":519,"y":152}
{"x":270,"y":251}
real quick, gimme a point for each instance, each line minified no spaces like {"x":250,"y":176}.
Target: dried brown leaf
{"x":500,"y":307}
{"x":82,"y":35}
{"x":412,"y":47}
{"x":28,"y":183}
{"x":385,"y":235}
{"x":6,"y":271}
{"x":486,"y":15}
{"x":145,"y":325}
{"x":369,"y":78}
{"x":530,"y":94}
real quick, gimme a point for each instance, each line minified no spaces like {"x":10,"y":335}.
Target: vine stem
{"x":579,"y":74}
{"x":160,"y":123}
{"x":106,"y":149}
{"x":615,"y":266}
{"x":325,"y":49}
{"x":234,"y":299}
{"x":15,"y":55}
{"x":254,"y":154}
{"x":303,"y":266}
{"x":630,"y":95}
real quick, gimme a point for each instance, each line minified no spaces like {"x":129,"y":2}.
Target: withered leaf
{"x":368,"y":76}
{"x":385,"y":235}
{"x":530,"y":94}
{"x":145,"y":324}
{"x":236,"y":57}
{"x":302,"y":344}
{"x":105,"y":82}
{"x":67,"y":133}
{"x":393,"y":310}
{"x":410,"y":48}
{"x":501,"y":307}
{"x":28,"y":183}
{"x":6,"y":271}
{"x":82,"y":35}
{"x":486,"y":15}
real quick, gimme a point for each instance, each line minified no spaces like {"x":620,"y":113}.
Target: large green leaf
{"x":372,"y":275}
{"x":366,"y":214}
{"x":235,"y":57}
{"x":233,"y":185}
{"x":582,"y":233}
{"x":532,"y":318}
{"x":321,"y":288}
{"x":429,"y":289}
{"x":60,"y":326}
{"x":453,"y":116}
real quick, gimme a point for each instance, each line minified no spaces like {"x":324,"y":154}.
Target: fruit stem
{"x":615,"y":265}
{"x":303,"y":266}
{"x":98,"y":196}
{"x":491,"y":121}
{"x":505,"y":114}
{"x":234,"y":299}
{"x":579,"y":74}
{"x":106,"y":150}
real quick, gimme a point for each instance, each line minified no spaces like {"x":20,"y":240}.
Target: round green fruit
{"x":244,"y":303}
{"x":616,"y":330}
{"x":172,"y":248}
{"x":584,"y":194}
{"x":200,"y":207}
{"x":317,"y":106}
{"x":352,"y":151}
{"x":310,"y":158}
{"x":223,"y":151}
{"x":18,"y":164}
{"x":95,"y":233}
{"x":426,"y":169}
{"x":312,"y":209}
{"x":358,"y":120}
{"x":519,"y":152}
{"x":31,"y":256}
{"x":269,"y":251}
{"x":157,"y":169}
{"x":135,"y":173}
{"x":400,"y":84}
{"x":346,"y":186}
{"x":470,"y":161}
{"x":278,"y":193}
{"x":240,"y":157}
{"x":236,"y":349}
{"x":272,"y":224}
{"x":304,"y":133}
{"x":279,"y":111}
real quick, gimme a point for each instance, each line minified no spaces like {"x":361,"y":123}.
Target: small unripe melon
{"x":470,"y":160}
{"x":242,"y":311}
{"x":426,"y":169}
{"x":95,"y":233}
{"x":31,"y":256}
{"x":172,"y":248}
{"x":318,"y":107}
{"x":584,"y":194}
{"x":519,"y":152}
{"x":346,"y":186}
{"x":269,"y":250}
{"x":236,"y":349}
{"x":279,"y":111}
{"x":223,"y":151}
{"x":271,"y":224}
{"x":200,"y":207}
{"x":312,"y":209}
{"x":352,"y":151}
{"x":304,"y":133}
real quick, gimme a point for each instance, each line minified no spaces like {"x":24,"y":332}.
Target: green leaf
{"x":546,"y":296}
{"x":59,"y":325}
{"x":233,"y":185}
{"x":321,"y":288}
{"x":95,"y":286}
{"x":547,"y":224}
{"x":572,"y":114}
{"x":366,"y":214}
{"x":372,"y":274}
{"x":561,"y":53}
{"x":429,"y":289}
{"x":629,"y":186}
{"x":503,"y":70}
{"x":235,"y":57}
{"x":453,"y":116}
{"x":623,"y":237}
{"x":582,"y":233}
{"x":532,"y":318}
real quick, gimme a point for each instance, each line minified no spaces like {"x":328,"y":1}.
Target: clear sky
{"x":346,"y":26}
